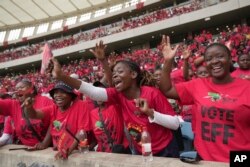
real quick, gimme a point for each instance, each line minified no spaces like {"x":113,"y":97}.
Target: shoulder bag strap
{"x":131,"y":145}
{"x":106,"y":131}
{"x":31,"y":127}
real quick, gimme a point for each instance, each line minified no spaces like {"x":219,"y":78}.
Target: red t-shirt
{"x":22,"y":131}
{"x":114,"y":123}
{"x":135,"y":121}
{"x":239,"y":73}
{"x":75,"y":118}
{"x":221,"y":118}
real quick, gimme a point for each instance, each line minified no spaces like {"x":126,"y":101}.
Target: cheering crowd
{"x":132,"y":96}
{"x":203,"y":80}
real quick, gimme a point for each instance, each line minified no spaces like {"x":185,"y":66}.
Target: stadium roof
{"x":14,"y":13}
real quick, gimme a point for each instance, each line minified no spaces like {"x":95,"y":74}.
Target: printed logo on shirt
{"x":104,"y":145}
{"x":99,"y":124}
{"x":135,"y":131}
{"x":216,"y":97}
{"x":57,"y":125}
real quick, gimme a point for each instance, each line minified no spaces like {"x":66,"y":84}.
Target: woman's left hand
{"x":142,"y":105}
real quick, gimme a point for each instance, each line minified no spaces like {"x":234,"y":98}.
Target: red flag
{"x":47,"y":55}
{"x":139,"y":5}
{"x":24,"y":39}
{"x":5,"y":43}
{"x":65,"y":28}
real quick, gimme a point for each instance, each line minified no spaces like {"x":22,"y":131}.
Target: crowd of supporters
{"x":146,"y":58}
{"x":134,"y":98}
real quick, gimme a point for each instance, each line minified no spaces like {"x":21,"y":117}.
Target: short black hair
{"x":224,"y":47}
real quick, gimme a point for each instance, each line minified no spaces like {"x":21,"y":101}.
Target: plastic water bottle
{"x":83,"y":144}
{"x":146,"y":146}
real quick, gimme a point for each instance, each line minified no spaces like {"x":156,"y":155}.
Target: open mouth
{"x":117,"y":83}
{"x":59,"y":101}
{"x":216,"y":69}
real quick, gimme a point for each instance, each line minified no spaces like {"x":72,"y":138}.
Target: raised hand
{"x":112,"y":59}
{"x":99,"y":51}
{"x":167,"y":52}
{"x":56,"y":69}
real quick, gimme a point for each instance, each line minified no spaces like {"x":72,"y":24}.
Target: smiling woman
{"x":68,"y":113}
{"x":20,"y":126}
{"x":222,"y":103}
{"x":218,"y":61}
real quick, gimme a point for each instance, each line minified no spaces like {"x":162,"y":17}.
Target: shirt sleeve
{"x":168,"y":121}
{"x":95,"y":93}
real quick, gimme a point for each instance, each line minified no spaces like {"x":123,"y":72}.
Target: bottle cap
{"x":83,"y":143}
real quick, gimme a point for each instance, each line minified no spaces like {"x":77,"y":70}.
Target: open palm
{"x":99,"y":51}
{"x":57,"y":71}
{"x":167,"y":51}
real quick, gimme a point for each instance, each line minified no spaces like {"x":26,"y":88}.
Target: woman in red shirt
{"x":222,"y":103}
{"x":14,"y":108}
{"x":68,"y":114}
